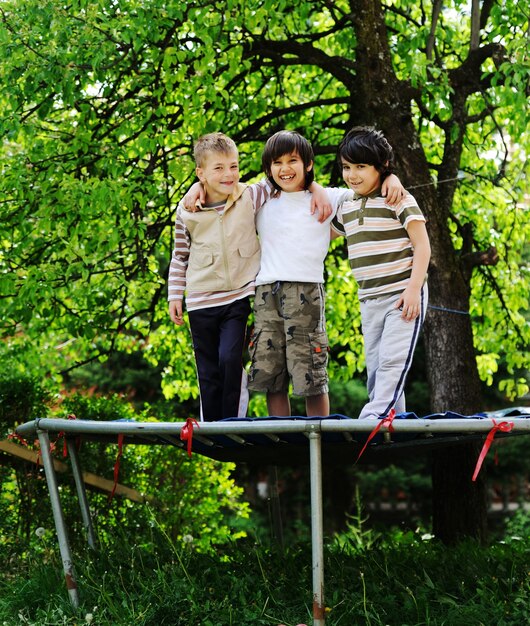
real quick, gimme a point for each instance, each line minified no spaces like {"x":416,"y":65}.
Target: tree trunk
{"x":459,"y":505}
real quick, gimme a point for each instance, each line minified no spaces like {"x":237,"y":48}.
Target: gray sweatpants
{"x":389,"y":344}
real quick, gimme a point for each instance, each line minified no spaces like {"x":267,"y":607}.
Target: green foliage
{"x":518,"y":526}
{"x":348,"y":397}
{"x":99,"y":110}
{"x":127,"y":373}
{"x":358,"y":536}
{"x":395,"y":483}
{"x":22,"y":398}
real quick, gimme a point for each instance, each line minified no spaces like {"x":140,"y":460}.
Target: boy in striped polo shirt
{"x":389,"y":253}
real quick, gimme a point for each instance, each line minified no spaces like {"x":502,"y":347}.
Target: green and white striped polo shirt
{"x":379,"y":248}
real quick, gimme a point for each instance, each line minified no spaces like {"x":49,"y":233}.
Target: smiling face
{"x":289,"y":172}
{"x":219,"y":175}
{"x":362,"y":178}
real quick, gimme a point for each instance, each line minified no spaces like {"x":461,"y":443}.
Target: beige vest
{"x":224,"y":250}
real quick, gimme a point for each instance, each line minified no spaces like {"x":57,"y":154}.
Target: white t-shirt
{"x":293,"y":242}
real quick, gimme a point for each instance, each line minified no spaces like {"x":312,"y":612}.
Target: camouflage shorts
{"x":289,"y":341}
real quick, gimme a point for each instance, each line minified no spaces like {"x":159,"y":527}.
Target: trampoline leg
{"x":317,"y":534}
{"x":58,"y":517}
{"x":81,"y":493}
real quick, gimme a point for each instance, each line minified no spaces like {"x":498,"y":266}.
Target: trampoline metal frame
{"x":152,"y":433}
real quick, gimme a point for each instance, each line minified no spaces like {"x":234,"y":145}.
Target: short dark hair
{"x":288,"y":142}
{"x":364,"y":144}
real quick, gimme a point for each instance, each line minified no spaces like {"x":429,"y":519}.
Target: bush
{"x":193,"y":500}
{"x":22,"y":398}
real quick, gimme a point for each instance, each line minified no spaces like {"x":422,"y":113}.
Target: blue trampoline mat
{"x":339,"y":447}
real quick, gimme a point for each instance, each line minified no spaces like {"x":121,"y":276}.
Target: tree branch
{"x":475,"y":25}
{"x":466,"y":78}
{"x":294,"y":53}
{"x":470,"y":258}
{"x":436,"y":10}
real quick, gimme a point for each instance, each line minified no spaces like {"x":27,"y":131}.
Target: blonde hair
{"x":213,"y":142}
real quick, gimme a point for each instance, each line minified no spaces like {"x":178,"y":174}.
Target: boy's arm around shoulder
{"x":393,"y":190}
{"x":320,"y":203}
{"x":260,"y":192}
{"x":195,"y":197}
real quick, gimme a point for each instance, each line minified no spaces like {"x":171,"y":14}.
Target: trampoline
{"x":315,"y":441}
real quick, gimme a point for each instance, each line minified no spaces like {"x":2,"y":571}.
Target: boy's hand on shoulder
{"x":393,"y":190}
{"x":320,"y":203}
{"x":194,"y":198}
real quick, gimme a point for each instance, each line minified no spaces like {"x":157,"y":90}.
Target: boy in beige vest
{"x":215,"y":260}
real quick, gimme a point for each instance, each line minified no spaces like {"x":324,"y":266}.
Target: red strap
{"x":186,"y":432}
{"x":53,"y":444}
{"x":387,"y":422}
{"x":70,"y":416}
{"x":504,"y":427}
{"x":117,"y":465}
{"x":19,"y":438}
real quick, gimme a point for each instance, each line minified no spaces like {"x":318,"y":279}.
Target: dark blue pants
{"x":218,"y":335}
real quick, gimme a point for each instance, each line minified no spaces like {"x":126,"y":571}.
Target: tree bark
{"x":459,"y":505}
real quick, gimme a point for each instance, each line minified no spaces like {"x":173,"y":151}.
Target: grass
{"x":401,"y":580}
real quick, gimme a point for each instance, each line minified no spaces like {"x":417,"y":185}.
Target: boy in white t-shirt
{"x":289,"y":343}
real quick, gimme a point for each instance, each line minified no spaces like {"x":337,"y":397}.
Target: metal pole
{"x":81,"y":492}
{"x":448,"y":425}
{"x":317,"y":533}
{"x":58,"y":517}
